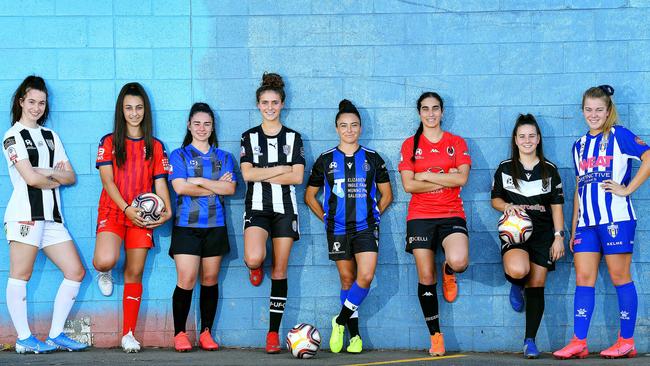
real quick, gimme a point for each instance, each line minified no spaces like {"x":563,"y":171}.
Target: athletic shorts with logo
{"x":614,"y":238}
{"x":347,"y":245}
{"x":429,"y":233}
{"x":202,"y":242}
{"x":538,"y":247}
{"x":133,"y":236}
{"x":40,"y":234}
{"x":276,"y":224}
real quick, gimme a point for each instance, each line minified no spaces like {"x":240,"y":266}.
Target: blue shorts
{"x":615,"y":238}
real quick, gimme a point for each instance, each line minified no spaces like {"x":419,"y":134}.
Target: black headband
{"x":607,"y":89}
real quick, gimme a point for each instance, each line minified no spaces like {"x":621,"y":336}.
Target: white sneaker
{"x":105,"y":283}
{"x":129,"y":344}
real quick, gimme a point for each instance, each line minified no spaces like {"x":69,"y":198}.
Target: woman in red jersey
{"x":130,"y":161}
{"x":434,"y":166}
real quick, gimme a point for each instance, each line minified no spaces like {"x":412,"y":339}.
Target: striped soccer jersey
{"x":44,"y":149}
{"x":187,"y":162}
{"x":350,"y":188}
{"x":599,"y":158}
{"x":264,"y":151}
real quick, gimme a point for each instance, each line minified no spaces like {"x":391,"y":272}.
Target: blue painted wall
{"x":489,"y":59}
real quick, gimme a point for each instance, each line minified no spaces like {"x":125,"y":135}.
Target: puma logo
{"x":249,"y":220}
{"x":275,"y":146}
{"x":133,"y":298}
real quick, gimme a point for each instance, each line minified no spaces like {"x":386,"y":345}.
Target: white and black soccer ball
{"x":150,"y":204}
{"x":516,"y":228}
{"x":303,"y":341}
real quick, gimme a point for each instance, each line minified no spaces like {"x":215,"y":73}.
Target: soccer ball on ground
{"x":515,"y":228}
{"x":150,"y":204}
{"x":303,"y":340}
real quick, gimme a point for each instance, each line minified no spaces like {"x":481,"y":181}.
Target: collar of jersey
{"x":134,"y":139}
{"x":199,"y":151}
{"x":353,"y":154}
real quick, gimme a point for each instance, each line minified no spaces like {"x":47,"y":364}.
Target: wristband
{"x":125,"y":207}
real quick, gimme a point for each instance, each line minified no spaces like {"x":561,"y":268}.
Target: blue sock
{"x":583,"y":307}
{"x":355,"y":297}
{"x":344,"y":295}
{"x":627,"y":305}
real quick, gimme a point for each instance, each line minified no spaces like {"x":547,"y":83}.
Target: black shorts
{"x":204,"y":242}
{"x":429,"y":233}
{"x":347,"y":245}
{"x":538,"y":247}
{"x":276,"y":224}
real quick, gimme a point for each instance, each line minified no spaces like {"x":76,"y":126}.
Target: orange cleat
{"x":577,"y":348}
{"x":272,"y":342}
{"x":255,"y":276}
{"x":437,"y":345}
{"x":623,"y":348}
{"x":449,"y":285}
{"x":206,"y":342}
{"x":182,"y":342}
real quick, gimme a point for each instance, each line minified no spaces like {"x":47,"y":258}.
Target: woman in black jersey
{"x":527,"y":182}
{"x":272,"y":161}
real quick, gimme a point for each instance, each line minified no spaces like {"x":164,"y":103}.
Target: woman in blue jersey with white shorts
{"x":201,"y":175}
{"x":603,"y":218}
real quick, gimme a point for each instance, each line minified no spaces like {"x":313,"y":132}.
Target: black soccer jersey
{"x":535,"y":194}
{"x":350,"y":188}
{"x":264,"y":151}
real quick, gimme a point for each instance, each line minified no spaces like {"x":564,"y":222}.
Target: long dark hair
{"x":418,"y":133}
{"x":526,"y":119}
{"x":119,"y":128}
{"x":198,"y":108}
{"x":273,"y":82}
{"x":345,"y":106}
{"x":30,"y":82}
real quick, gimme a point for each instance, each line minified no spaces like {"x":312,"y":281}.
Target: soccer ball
{"x":303,"y":341}
{"x":150,"y":204}
{"x":516,"y":228}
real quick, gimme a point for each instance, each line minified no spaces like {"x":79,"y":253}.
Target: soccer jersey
{"x":264,"y":151}
{"x":598,"y":158}
{"x":450,"y":152}
{"x":43,"y":148}
{"x":134,"y":177}
{"x":350,"y":188}
{"x":188,"y":162}
{"x":535,"y":194}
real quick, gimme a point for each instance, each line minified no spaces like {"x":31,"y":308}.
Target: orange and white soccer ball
{"x":515,"y":228}
{"x":303,"y":341}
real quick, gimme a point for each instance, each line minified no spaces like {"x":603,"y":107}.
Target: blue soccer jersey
{"x":598,"y":158}
{"x":188,"y":162}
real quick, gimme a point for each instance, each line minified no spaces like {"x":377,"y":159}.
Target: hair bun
{"x":346,"y":105}
{"x":607,"y":89}
{"x":272,"y":80}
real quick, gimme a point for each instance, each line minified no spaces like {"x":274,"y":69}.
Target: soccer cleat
{"x":181,"y":342}
{"x":206,"y":342}
{"x":105,"y":283}
{"x":255,"y":276}
{"x":437,"y":345}
{"x":577,"y":348}
{"x":32,"y":344}
{"x":130,"y":344}
{"x":449,"y":285}
{"x":530,"y":348}
{"x":623,"y":348}
{"x":272,"y":342}
{"x":517,"y":298}
{"x":336,"y":339}
{"x":356,"y":345}
{"x":63,"y":342}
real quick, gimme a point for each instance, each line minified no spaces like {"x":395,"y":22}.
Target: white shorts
{"x":40,"y":234}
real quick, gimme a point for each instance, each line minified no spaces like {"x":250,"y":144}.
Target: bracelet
{"x":125,"y":207}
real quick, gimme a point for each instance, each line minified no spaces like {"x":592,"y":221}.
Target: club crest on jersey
{"x":639,"y":141}
{"x":450,"y":150}
{"x":286,"y":149}
{"x":257,"y":150}
{"x":612,"y":230}
{"x":50,"y":143}
{"x":366,"y":166}
{"x":338,"y":187}
{"x":603,"y":145}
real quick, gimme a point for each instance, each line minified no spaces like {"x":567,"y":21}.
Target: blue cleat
{"x":63,"y":342}
{"x":517,"y":298}
{"x":530,"y":349}
{"x":32,"y":344}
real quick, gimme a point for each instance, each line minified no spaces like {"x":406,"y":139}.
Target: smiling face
{"x":430,"y":112}
{"x":133,"y":109}
{"x":33,"y":105}
{"x":527,"y":139}
{"x":596,"y":113}
{"x":270,"y":104}
{"x":348,"y":127}
{"x":200,"y":126}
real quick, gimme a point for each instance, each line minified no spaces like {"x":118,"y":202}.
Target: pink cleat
{"x":623,"y":348}
{"x":577,"y":348}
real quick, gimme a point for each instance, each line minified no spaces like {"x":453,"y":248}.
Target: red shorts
{"x":133,"y":236}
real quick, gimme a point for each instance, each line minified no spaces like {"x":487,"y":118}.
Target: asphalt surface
{"x":162,"y":356}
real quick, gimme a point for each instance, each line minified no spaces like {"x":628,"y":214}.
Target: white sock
{"x":17,"y":306}
{"x":63,"y":304}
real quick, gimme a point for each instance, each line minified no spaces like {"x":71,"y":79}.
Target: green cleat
{"x":356,"y":345}
{"x":336,"y":339}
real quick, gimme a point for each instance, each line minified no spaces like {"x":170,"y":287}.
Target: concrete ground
{"x":161,"y":356}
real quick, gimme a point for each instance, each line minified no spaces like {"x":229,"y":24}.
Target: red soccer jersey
{"x":450,"y":152}
{"x":134,"y":177}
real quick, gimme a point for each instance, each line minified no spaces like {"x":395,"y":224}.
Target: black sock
{"x":181,"y":302}
{"x":534,"y":309}
{"x":344,"y":315}
{"x":277,"y":301}
{"x":209,"y":300}
{"x":429,"y":303}
{"x":353,"y":326}
{"x":448,"y":269}
{"x":516,"y":281}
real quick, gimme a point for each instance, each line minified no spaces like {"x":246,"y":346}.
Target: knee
{"x":585,"y":279}
{"x":364,"y":279}
{"x":76,"y":275}
{"x":517,"y":272}
{"x":620,"y":278}
{"x":346,"y":281}
{"x":253,"y":261}
{"x":458,"y":265}
{"x":103,"y":265}
{"x":133,"y":275}
{"x":185,"y":282}
{"x":427,"y":279}
{"x":23,"y":276}
{"x":209,"y":279}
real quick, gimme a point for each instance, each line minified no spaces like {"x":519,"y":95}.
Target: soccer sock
{"x":429,"y":303}
{"x":534,"y":309}
{"x":448,"y":269}
{"x":181,"y":302}
{"x":17,"y":306}
{"x":583,"y":306}
{"x":209,"y":300}
{"x":356,"y":295}
{"x":627,"y":305}
{"x":516,"y":281}
{"x":131,"y":306}
{"x":277,"y":302}
{"x":63,"y":302}
{"x":353,"y":322}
